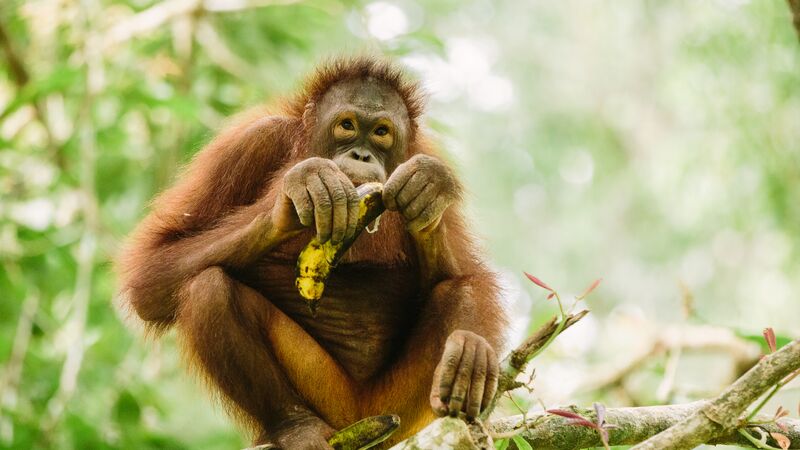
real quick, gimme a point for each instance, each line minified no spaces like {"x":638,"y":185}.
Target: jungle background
{"x":655,"y":144}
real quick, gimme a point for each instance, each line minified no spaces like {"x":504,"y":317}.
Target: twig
{"x":514,"y":364}
{"x":771,"y":394}
{"x":15,"y":65}
{"x":9,"y":383}
{"x":794,"y":6}
{"x":664,"y":390}
{"x":219,"y":52}
{"x":721,"y":415}
{"x":756,"y":443}
{"x":150,"y":19}
{"x":13,"y":367}
{"x":87,"y":247}
{"x":21,"y":77}
{"x":162,"y":12}
{"x":686,"y":338}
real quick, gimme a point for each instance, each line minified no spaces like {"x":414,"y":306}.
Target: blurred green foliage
{"x":645,"y":142}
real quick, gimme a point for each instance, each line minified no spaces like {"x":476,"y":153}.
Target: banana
{"x":365,"y":433}
{"x":317,"y":259}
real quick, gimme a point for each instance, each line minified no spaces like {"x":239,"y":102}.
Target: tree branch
{"x":86,"y":252}
{"x":794,"y":6}
{"x":21,"y":77}
{"x":715,"y":421}
{"x":547,"y":431}
{"x":550,"y":432}
{"x":163,"y":12}
{"x":721,"y":415}
{"x":11,"y":376}
{"x":514,"y":364}
{"x":16,"y":68}
{"x":442,"y":433}
{"x":744,"y":353}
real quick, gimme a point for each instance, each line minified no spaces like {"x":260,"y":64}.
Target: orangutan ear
{"x":308,"y":115}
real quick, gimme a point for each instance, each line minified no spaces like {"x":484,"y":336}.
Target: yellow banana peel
{"x":317,"y":259}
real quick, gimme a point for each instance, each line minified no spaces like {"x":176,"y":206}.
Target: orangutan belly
{"x":364,"y":315}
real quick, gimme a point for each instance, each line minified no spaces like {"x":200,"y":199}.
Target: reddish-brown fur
{"x":185,"y":265}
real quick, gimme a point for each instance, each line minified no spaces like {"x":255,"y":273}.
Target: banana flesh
{"x":317,"y":259}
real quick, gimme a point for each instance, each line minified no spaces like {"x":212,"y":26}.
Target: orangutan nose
{"x":360,"y":154}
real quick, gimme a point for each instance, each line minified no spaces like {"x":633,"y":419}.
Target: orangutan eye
{"x":381,"y":131}
{"x":347,"y":124}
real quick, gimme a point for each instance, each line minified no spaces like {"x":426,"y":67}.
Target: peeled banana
{"x":317,"y":259}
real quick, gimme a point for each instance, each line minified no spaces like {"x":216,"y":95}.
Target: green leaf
{"x":60,"y":79}
{"x":521,"y":443}
{"x":501,"y":444}
{"x":759,"y":339}
{"x":127,"y":410}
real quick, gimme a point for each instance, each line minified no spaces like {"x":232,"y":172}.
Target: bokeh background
{"x":655,"y":144}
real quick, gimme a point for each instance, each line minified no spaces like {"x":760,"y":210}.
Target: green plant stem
{"x":755,"y":441}
{"x":771,"y":394}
